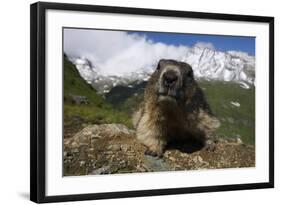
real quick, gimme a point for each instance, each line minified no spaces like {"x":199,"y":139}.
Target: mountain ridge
{"x":207,"y":64}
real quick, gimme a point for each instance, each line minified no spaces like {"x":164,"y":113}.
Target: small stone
{"x":168,"y":152}
{"x":114,"y":147}
{"x":82,"y":163}
{"x":198,"y":159}
{"x":206,"y":164}
{"x":102,"y":170}
{"x":125,"y":148}
{"x":239,"y":140}
{"x":172,"y":159}
{"x":183,"y":154}
{"x":146,"y":167}
{"x":90,"y":156}
{"x":66,"y":142}
{"x":109,"y":152}
{"x":231,"y":140}
{"x":141,"y":169}
{"x":95,"y":136}
{"x":210,"y":146}
{"x":76,"y":150}
{"x":74,"y":144}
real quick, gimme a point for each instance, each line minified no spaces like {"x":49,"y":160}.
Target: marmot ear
{"x":160,"y":64}
{"x":189,"y":70}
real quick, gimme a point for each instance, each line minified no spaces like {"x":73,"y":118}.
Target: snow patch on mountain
{"x":85,"y":68}
{"x":244,"y":85}
{"x":236,"y":104}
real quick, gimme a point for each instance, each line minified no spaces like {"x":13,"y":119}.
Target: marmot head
{"x":174,"y":80}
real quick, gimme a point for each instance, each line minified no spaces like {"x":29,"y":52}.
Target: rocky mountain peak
{"x":206,"y":62}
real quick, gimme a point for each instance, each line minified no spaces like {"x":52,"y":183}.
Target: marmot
{"x":174,"y":108}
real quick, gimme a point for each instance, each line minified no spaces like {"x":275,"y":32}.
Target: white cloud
{"x":117,"y":52}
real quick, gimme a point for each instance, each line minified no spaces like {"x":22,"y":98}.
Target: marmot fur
{"x":174,"y":108}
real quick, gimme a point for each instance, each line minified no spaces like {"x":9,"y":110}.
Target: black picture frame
{"x":38,"y":101}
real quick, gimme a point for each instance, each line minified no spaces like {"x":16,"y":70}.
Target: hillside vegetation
{"x":97,"y":111}
{"x":236,"y":120}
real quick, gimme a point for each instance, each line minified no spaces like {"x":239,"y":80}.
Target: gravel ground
{"x":113,"y":148}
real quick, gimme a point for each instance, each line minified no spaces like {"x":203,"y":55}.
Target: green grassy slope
{"x":234,"y":120}
{"x":126,"y":98}
{"x":97,"y":111}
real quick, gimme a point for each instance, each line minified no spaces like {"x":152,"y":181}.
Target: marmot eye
{"x":189,"y":74}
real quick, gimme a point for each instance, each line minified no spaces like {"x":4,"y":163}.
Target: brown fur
{"x":187,"y":116}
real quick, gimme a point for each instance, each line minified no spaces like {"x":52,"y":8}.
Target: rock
{"x":235,"y":140}
{"x":113,"y":148}
{"x":210,"y":145}
{"x":220,"y":140}
{"x":125,"y":147}
{"x":172,"y":159}
{"x":155,"y":164}
{"x":74,"y":144}
{"x":82,"y":163}
{"x":198,"y":159}
{"x":92,"y":132}
{"x":102,"y":170}
{"x":76,"y":150}
{"x":238,"y":139}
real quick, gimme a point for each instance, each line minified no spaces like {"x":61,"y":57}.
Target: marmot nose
{"x":170,"y":78}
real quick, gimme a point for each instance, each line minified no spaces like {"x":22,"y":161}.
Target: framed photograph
{"x":129,"y":102}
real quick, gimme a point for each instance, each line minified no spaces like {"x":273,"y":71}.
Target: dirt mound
{"x":113,"y":148}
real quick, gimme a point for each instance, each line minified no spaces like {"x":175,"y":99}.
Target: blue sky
{"x":221,"y":43}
